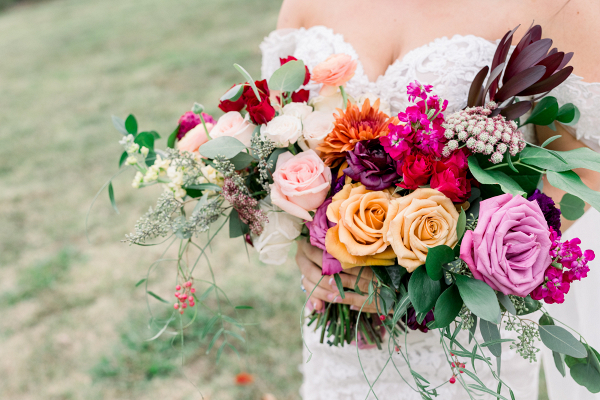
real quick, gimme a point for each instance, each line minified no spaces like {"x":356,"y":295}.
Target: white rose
{"x":283,"y":130}
{"x":274,"y":243}
{"x":315,"y":128}
{"x":298,"y":110}
{"x":234,"y":125}
{"x":384,"y":106}
{"x":329,"y":104}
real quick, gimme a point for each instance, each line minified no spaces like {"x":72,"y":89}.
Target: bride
{"x":443,"y":43}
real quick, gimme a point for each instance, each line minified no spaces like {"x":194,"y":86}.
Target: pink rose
{"x":510,"y":248}
{"x":195,"y":138}
{"x":233,"y":124}
{"x":301,"y":183}
{"x":333,"y":72}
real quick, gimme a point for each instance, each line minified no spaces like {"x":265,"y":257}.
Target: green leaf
{"x":461,"y":225}
{"x":570,"y":182}
{"x":582,"y":157}
{"x":145,"y":139}
{"x":274,"y":156}
{"x":172,"y":138}
{"x":586,"y":375}
{"x":436,"y":257}
{"x":382,"y":275}
{"x":486,"y":390}
{"x":447,"y":307}
{"x":388,"y":297}
{"x":131,"y":125}
{"x":197,"y":108}
{"x":509,"y":161}
{"x":401,"y":307}
{"x":157,"y":297}
{"x":531,"y":306}
{"x":236,"y":227}
{"x":234,"y":93}
{"x":242,"y":160}
{"x":214,"y":340}
{"x":111,"y":196}
{"x":396,"y":272}
{"x":236,"y":335}
{"x":493,"y":177}
{"x":225,"y":146}
{"x":244,"y":308}
{"x":490,"y":333}
{"x":546,"y":319}
{"x":289,"y":77}
{"x":423,"y":291}
{"x":339,"y":284}
{"x":140,"y":282}
{"x":150,"y":158}
{"x":209,"y":325}
{"x":550,"y":140}
{"x":122,"y":159}
{"x":205,"y":294}
{"x":204,"y":186}
{"x":248,"y":78}
{"x":572,"y":207}
{"x":544,"y":112}
{"x":505,"y":301}
{"x":479,"y":298}
{"x":568,"y":114}
{"x":558,"y":339}
{"x":559,"y":362}
{"x":120,"y":125}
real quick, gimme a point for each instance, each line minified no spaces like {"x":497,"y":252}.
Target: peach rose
{"x":300,"y":183}
{"x":195,"y":138}
{"x":358,"y":238}
{"x":333,"y":72}
{"x":423,"y":219}
{"x":233,"y":124}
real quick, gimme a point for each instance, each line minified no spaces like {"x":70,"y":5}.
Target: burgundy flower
{"x":292,"y":58}
{"x":416,"y":171}
{"x":412,"y":320}
{"x":551,"y":213}
{"x":369,"y":164}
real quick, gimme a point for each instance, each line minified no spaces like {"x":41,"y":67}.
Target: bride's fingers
{"x":353,"y":299}
{"x":313,"y":273}
{"x":367,"y":272}
{"x":315,"y":292}
{"x":313,"y":253}
{"x":349,"y":281}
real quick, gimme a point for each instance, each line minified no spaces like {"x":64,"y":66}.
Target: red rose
{"x":451,"y":180}
{"x":249,"y":96}
{"x":292,"y":58}
{"x":261,"y":113}
{"x":416,"y":171}
{"x":301,"y":96}
{"x":228,"y":105}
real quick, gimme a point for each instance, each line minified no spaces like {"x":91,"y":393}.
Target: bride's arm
{"x":290,"y":15}
{"x":564,"y":143}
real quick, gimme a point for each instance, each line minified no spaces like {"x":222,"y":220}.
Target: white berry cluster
{"x":481,"y":133}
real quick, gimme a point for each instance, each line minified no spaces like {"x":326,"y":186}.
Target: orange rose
{"x":423,"y":219}
{"x":333,"y":72}
{"x":357,"y":239}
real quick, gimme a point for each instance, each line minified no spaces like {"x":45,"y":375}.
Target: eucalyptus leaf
{"x":544,"y":112}
{"x":586,"y":375}
{"x":396,"y":272}
{"x":570,"y":182}
{"x":582,"y":157}
{"x":225,"y":146}
{"x":242,"y":160}
{"x":505,"y":301}
{"x":571,"y":207}
{"x":447,"y":307}
{"x":568,"y":114}
{"x":494,"y":177}
{"x":289,"y":77}
{"x":436,"y":257}
{"x":204,"y":186}
{"x":248,"y":78}
{"x":119,"y":124}
{"x":131,"y":125}
{"x":124,"y":156}
{"x":274,"y":156}
{"x":550,"y":140}
{"x":559,"y":363}
{"x":234,"y":93}
{"x":423,"y":291}
{"x":479,"y":298}
{"x":461,"y":225}
{"x":236,"y":227}
{"x":557,"y":338}
{"x":388,"y":297}
{"x":491,"y":334}
{"x":531,"y":306}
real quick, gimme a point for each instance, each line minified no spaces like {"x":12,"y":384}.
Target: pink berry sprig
{"x":185,"y":296}
{"x":456,"y":366}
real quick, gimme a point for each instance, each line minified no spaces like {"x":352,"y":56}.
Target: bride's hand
{"x":309,"y":259}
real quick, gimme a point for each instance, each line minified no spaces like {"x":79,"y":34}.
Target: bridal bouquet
{"x":445,"y":209}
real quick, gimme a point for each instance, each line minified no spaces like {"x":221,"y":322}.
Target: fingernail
{"x":354,"y":308}
{"x":310,"y":306}
{"x":331,"y":281}
{"x":331,"y":296}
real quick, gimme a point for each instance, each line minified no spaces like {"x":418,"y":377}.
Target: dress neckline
{"x":403,"y":59}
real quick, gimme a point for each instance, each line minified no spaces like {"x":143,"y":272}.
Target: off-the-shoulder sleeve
{"x":586,"y":96}
{"x":279,"y":44}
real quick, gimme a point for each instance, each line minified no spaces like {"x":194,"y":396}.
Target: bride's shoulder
{"x":305,"y":13}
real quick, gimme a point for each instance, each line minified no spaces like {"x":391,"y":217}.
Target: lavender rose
{"x":370,"y":165}
{"x":510,"y":248}
{"x":318,"y":229}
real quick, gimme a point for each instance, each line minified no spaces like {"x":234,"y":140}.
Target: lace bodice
{"x":450,"y":64}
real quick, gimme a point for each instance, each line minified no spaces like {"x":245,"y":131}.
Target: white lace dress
{"x":449,"y":64}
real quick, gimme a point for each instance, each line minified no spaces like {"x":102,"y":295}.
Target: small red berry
{"x":188,"y":284}
{"x":177,"y":294}
{"x":181,"y":312}
{"x":453,"y":365}
{"x":183,"y":297}
{"x":193,"y":290}
{"x":382,"y":317}
{"x":192,"y":304}
{"x":398,"y":348}
{"x":452,"y":380}
{"x":452,"y":354}
{"x":177,"y":287}
{"x":184,"y":305}
{"x":176,"y":306}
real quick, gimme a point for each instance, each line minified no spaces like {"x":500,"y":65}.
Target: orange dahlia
{"x":352,"y":126}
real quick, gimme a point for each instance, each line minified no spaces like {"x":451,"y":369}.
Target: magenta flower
{"x":415,"y":89}
{"x":318,"y":229}
{"x":189,"y":120}
{"x":397,"y":143}
{"x":554,"y":288}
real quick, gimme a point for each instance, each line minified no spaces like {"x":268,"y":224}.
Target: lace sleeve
{"x":279,"y":44}
{"x":586,"y":96}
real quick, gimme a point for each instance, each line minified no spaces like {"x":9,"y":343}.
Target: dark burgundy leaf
{"x":494,"y":76}
{"x":475,"y":92}
{"x":520,"y":82}
{"x":500,"y":55}
{"x":565,"y":61}
{"x":551,"y":63}
{"x":553,"y":51}
{"x":514,"y":111}
{"x":547,"y":84}
{"x":530,"y":55}
{"x":536,"y":33}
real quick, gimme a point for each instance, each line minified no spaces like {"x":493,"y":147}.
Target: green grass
{"x":73,"y":324}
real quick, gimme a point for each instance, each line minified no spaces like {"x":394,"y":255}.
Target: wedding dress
{"x":449,"y":64}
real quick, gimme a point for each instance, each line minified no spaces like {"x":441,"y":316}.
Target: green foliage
{"x":423,"y":291}
{"x":236,"y":227}
{"x":461,"y":225}
{"x":505,"y":301}
{"x":447,"y":307}
{"x":572,"y":207}
{"x":249,"y":79}
{"x":242,"y":160}
{"x":131,"y":125}
{"x":225,"y":146}
{"x":479,"y":298}
{"x":558,"y":339}
{"x":544,"y":112}
{"x":436,"y":257}
{"x":494,"y":177}
{"x":571,"y":183}
{"x":568,"y":114}
{"x":119,"y":124}
{"x":289,"y":77}
{"x":577,"y":158}
{"x":234,"y":93}
{"x":491,"y":333}
{"x":111,"y":196}
{"x":172,"y":138}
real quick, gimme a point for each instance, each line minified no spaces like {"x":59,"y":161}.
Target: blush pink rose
{"x":510,"y":248}
{"x":333,"y":72}
{"x":195,"y":138}
{"x":300,"y":183}
{"x":235,"y":125}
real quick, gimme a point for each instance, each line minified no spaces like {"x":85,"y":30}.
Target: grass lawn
{"x":73,"y":324}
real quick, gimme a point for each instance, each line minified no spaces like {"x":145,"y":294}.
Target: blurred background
{"x":73,"y":325}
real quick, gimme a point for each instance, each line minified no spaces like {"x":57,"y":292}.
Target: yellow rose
{"x":423,"y":219}
{"x":357,"y":239}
